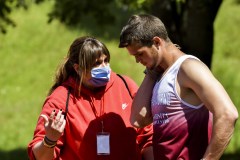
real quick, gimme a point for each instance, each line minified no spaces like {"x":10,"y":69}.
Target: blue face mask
{"x":100,"y":76}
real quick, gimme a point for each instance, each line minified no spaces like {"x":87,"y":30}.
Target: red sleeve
{"x":53,"y":102}
{"x":144,"y":137}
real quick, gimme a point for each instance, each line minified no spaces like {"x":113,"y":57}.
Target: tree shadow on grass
{"x":21,"y":154}
{"x":16,"y":154}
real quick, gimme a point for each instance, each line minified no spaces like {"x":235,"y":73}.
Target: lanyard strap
{"x":67,"y":101}
{"x":95,"y":110}
{"x":101,"y":110}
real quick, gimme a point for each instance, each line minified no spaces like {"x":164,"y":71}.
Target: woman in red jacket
{"x":86,"y":114}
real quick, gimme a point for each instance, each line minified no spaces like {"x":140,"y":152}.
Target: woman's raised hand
{"x":54,"y":125}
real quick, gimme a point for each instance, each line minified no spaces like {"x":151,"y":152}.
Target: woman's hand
{"x":54,"y":125}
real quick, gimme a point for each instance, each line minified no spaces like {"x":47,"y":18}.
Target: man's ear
{"x":157,"y":41}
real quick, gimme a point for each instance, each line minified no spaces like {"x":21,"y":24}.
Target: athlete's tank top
{"x":181,"y":130}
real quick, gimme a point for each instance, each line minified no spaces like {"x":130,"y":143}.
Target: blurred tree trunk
{"x":190,"y":24}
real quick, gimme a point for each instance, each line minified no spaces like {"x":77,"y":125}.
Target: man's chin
{"x":150,"y":68}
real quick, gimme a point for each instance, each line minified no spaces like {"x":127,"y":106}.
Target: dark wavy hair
{"x":141,"y":29}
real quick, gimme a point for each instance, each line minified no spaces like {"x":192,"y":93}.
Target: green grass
{"x":31,"y":52}
{"x":226,"y":58}
{"x":29,"y":56}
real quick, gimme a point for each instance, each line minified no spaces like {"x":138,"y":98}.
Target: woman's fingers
{"x":54,"y":124}
{"x":45,"y":119}
{"x":51,"y":117}
{"x":58,"y":123}
{"x":61,"y":129}
{"x":48,"y":120}
{"x":61,"y":120}
{"x":58,"y":117}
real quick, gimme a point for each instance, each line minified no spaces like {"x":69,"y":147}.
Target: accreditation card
{"x":103,"y":143}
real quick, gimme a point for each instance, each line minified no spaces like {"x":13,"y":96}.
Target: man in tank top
{"x":193,"y":116}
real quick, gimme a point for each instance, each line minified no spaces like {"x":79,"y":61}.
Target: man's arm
{"x":141,"y":107}
{"x":195,"y":75}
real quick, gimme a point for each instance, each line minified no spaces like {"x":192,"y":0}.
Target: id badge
{"x":103,"y":143}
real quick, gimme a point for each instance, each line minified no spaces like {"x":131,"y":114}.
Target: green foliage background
{"x":31,"y":52}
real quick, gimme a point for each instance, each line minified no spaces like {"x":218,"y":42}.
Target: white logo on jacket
{"x":124,"y":106}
